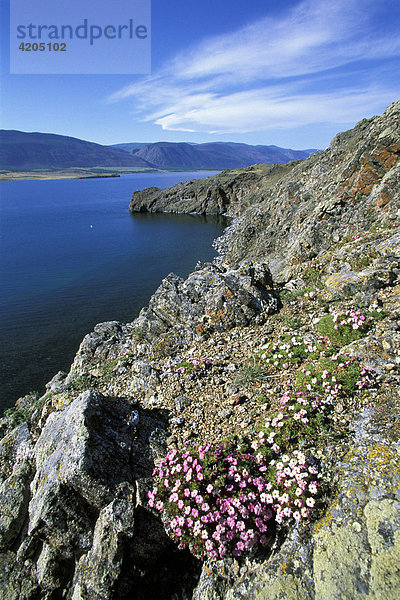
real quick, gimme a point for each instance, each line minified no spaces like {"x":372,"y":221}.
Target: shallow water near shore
{"x":71,"y":256}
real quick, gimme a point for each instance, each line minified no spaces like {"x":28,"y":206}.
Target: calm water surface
{"x":71,"y":256}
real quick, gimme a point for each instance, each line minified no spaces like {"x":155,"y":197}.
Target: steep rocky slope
{"x":230,"y":192}
{"x":313,"y":204}
{"x":310,"y":244}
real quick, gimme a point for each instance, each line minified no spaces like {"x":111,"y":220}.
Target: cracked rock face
{"x":213,"y":297}
{"x":75,"y":500}
{"x":348,"y":185}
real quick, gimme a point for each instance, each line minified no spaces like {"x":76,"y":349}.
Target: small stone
{"x":134,"y":418}
{"x":178,"y":421}
{"x":237,"y":399}
{"x":225,"y":413}
{"x":357,"y":527}
{"x":181,"y":403}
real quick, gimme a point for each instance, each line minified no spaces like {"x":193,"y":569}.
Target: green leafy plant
{"x":81,"y":383}
{"x":24,"y":408}
{"x":298,"y":423}
{"x":336,"y":377}
{"x":344,"y":327}
{"x":292,"y":349}
{"x":312,"y":273}
{"x":138,"y":334}
{"x":251,"y":373}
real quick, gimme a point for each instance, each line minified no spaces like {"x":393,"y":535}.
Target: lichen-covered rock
{"x":357,"y":544}
{"x":115,"y":521}
{"x":15,"y":476}
{"x":14,"y":498}
{"x":353,"y":550}
{"x":18,"y":579}
{"x":361,"y":282}
{"x":212,"y":298}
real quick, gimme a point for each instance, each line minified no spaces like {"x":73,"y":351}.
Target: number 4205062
{"x":42,"y":46}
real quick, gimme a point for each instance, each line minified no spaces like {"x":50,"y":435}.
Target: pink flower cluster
{"x":220,"y":500}
{"x":330,"y":381}
{"x":289,"y":349}
{"x":366,"y":378}
{"x":353,"y":318}
{"x":187,"y":365}
{"x":296,"y":479}
{"x":296,"y":417}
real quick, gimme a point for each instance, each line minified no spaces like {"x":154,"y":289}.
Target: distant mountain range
{"x":27,"y":151}
{"x":212,"y":155}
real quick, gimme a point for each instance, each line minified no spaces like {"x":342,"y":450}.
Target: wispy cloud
{"x":274,"y":73}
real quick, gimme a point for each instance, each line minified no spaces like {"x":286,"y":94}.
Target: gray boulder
{"x":212,"y":298}
{"x":69,"y":516}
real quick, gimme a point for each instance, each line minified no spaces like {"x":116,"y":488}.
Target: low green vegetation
{"x":292,"y":349}
{"x":24,"y":408}
{"x":346,"y":326}
{"x":251,"y":373}
{"x":334,"y":377}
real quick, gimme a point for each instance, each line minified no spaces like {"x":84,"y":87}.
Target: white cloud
{"x":273,"y":73}
{"x":261,"y":109}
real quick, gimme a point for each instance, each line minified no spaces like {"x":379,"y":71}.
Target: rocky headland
{"x":303,"y":300}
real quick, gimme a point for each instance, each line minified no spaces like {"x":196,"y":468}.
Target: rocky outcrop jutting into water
{"x":308,"y":240}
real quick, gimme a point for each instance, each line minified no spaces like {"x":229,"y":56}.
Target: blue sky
{"x":291,"y":73}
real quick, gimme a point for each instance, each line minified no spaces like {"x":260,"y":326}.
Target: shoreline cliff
{"x":313,"y":249}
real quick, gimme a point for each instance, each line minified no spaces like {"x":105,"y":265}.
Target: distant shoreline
{"x":82,"y":173}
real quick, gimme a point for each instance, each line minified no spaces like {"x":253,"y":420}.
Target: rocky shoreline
{"x":309,"y":240}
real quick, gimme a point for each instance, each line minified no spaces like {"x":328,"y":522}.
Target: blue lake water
{"x":71,"y":256}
